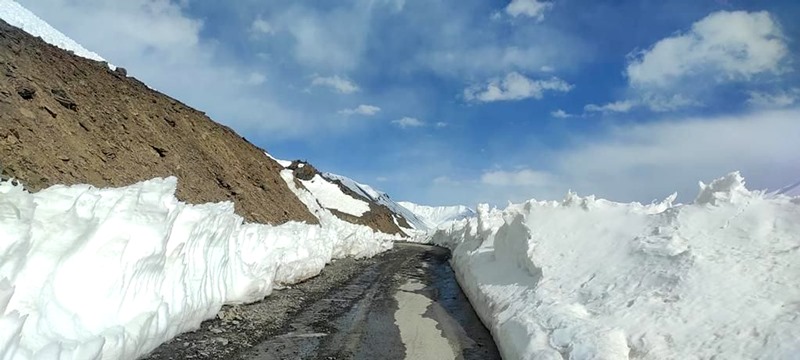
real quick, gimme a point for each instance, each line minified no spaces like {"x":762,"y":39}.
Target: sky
{"x":465,"y":101}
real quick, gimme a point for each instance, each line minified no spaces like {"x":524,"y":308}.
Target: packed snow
{"x":16,"y":15}
{"x":381,"y":198}
{"x":433,"y":216}
{"x":284,"y":163}
{"x":111,"y":273}
{"x":587,"y":278}
{"x":331,"y":196}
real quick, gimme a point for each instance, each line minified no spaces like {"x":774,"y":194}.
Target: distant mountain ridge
{"x":433,"y":216}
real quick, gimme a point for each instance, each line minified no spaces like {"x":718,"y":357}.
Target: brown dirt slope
{"x":66,"y":119}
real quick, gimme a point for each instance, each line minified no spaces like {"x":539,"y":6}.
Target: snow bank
{"x":331,"y":196}
{"x":16,"y":15}
{"x":111,"y":273}
{"x":592,"y":279}
{"x":433,"y":216}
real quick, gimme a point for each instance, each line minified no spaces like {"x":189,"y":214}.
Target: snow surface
{"x":433,"y":216}
{"x":88,"y":273}
{"x":284,"y":163}
{"x":381,"y":198}
{"x":16,"y":15}
{"x":331,"y":196}
{"x":587,"y":278}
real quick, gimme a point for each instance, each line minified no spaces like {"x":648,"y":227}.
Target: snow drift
{"x":111,"y":273}
{"x":586,"y":278}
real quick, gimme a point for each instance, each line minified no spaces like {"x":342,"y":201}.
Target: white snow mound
{"x":592,"y":279}
{"x":16,"y":15}
{"x":88,"y":273}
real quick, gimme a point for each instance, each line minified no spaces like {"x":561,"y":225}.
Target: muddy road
{"x":403,"y":304}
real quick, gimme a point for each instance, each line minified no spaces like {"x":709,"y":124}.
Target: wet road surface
{"x":403,"y":304}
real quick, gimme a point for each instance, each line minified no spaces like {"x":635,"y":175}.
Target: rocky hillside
{"x":66,"y":119}
{"x":375,"y":213}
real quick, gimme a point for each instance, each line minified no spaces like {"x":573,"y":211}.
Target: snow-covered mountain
{"x":381,"y":198}
{"x":433,"y":216}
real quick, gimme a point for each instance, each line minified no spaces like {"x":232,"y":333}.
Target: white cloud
{"x":724,"y":46}
{"x":408,"y":122}
{"x":778,"y":99}
{"x":561,"y":114}
{"x":330,"y":41}
{"x":336,"y":83}
{"x":441,"y":124}
{"x":683,"y":70}
{"x":256,"y":78}
{"x":523,"y":177}
{"x":261,"y":27}
{"x":652,"y":160}
{"x":530,"y":8}
{"x":617,"y":106}
{"x":642,"y":162}
{"x":514,"y":86}
{"x":365,"y":110}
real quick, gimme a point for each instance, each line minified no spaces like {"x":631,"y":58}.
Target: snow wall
{"x":89,"y":273}
{"x":586,"y":278}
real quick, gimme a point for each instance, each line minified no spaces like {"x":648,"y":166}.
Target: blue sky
{"x":466,"y":101}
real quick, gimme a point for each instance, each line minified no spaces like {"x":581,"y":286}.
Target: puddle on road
{"x":422,"y":338}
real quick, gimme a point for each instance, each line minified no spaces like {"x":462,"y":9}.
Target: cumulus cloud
{"x":682,"y":70}
{"x":529,"y":8}
{"x":335,"y":83}
{"x":514,"y":86}
{"x":724,"y":46}
{"x":408,"y":122}
{"x":365,"y":110}
{"x":561,"y":114}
